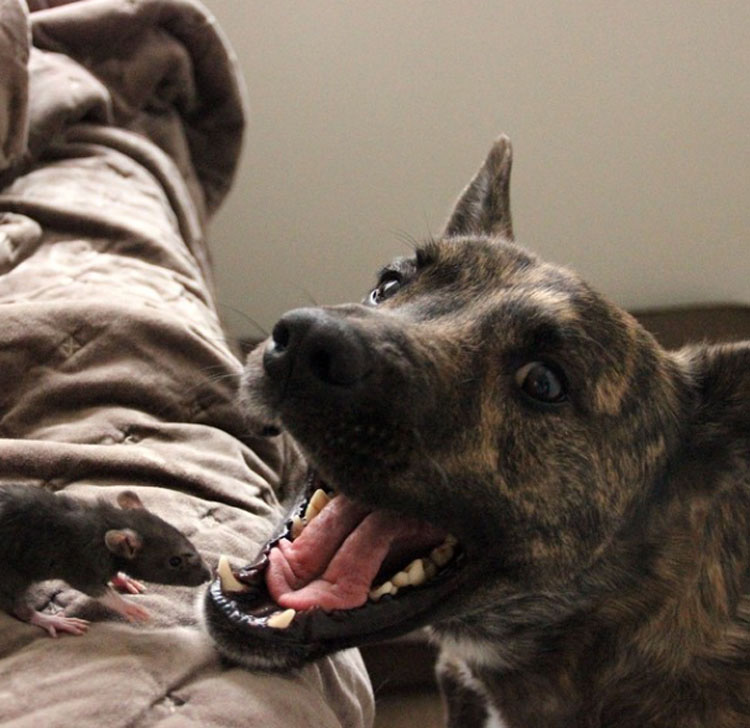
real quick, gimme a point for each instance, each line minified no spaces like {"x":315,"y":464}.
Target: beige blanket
{"x":120,"y":125}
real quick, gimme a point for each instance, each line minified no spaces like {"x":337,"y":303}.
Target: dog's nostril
{"x":279,"y":353}
{"x":311,"y":345}
{"x":280,"y":336}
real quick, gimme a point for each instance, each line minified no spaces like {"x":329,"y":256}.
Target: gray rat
{"x":88,"y":545}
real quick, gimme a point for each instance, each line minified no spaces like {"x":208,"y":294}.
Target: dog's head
{"x":484,"y":421}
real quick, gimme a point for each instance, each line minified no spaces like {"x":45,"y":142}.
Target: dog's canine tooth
{"x":319,"y":499}
{"x":442,"y":554}
{"x":229,"y":582}
{"x":281,"y":620}
{"x":318,"y":502}
{"x":298,"y":524}
{"x":310,"y":512}
{"x":387,"y":587}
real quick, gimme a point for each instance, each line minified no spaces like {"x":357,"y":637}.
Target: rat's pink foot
{"x":54,"y":623}
{"x":124,"y":583}
{"x":130,"y":611}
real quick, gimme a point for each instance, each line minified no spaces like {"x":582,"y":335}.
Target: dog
{"x":497,"y":451}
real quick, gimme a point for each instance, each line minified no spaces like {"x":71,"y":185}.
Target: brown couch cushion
{"x":674,"y":327}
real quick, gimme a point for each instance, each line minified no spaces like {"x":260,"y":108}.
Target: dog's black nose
{"x":312,"y":343}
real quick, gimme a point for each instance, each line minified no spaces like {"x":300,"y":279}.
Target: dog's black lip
{"x":338,"y":629}
{"x":319,"y":630}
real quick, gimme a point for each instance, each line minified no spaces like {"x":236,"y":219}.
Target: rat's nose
{"x":313,"y":344}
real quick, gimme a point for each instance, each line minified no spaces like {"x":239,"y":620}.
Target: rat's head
{"x":151,"y":549}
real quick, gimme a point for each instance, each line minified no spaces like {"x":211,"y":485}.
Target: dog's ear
{"x":484,"y":206}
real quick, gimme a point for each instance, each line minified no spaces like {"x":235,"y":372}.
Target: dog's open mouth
{"x":339,"y":574}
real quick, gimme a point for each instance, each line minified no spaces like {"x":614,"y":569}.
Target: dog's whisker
{"x":247,"y":318}
{"x":218,"y":378}
{"x":406,"y":238}
{"x":428,"y":457}
{"x":207,"y":383}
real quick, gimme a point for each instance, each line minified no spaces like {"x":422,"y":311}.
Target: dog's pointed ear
{"x":484,"y":206}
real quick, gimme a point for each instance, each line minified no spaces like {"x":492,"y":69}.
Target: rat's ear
{"x":124,"y":542}
{"x":128,"y":500}
{"x":484,"y":206}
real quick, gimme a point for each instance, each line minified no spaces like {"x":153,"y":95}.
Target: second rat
{"x":88,"y":545}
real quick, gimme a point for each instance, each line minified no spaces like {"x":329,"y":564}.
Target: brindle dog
{"x":508,"y":457}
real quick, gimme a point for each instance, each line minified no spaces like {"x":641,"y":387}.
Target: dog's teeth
{"x":281,"y":620}
{"x":298,"y":524}
{"x":387,"y":588}
{"x":227,"y":579}
{"x":318,"y":502}
{"x":319,"y":499}
{"x":442,"y":554}
{"x":400,"y":579}
{"x":416,"y":572}
{"x":413,"y":575}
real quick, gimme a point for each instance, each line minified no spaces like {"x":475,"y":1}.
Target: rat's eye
{"x":175,"y":561}
{"x":542,"y":382}
{"x":389,"y":283}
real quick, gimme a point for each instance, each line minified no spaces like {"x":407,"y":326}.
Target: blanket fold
{"x":14,"y":88}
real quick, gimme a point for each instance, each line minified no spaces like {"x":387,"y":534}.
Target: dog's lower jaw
{"x":252,"y":654}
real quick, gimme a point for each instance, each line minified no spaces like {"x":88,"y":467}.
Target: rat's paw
{"x":132,"y":612}
{"x":54,"y":623}
{"x":124,"y":583}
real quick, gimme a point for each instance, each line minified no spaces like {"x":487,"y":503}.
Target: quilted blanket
{"x":120,"y":125}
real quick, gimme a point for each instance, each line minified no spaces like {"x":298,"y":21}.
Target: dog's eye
{"x":388,"y":285}
{"x":175,"y":562}
{"x":541,"y":382}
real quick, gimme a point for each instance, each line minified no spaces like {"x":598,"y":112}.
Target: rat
{"x":90,"y":546}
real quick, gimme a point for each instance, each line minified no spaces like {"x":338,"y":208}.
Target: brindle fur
{"x":607,"y":536}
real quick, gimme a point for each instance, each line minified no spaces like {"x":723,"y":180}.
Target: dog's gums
{"x":336,"y":568}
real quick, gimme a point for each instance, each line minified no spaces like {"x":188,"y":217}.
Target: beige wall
{"x":630,"y":122}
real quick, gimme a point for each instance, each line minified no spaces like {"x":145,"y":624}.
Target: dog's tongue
{"x":332,"y":563}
